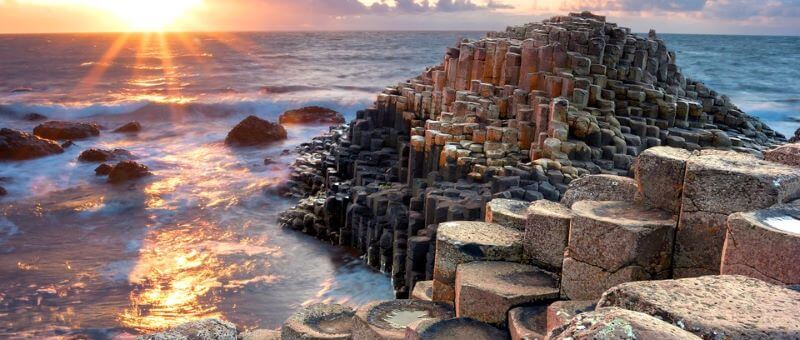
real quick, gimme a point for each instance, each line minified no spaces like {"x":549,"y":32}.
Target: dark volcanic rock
{"x":67,"y":144}
{"x":3,"y":191}
{"x":131,"y":127}
{"x":127,"y":170}
{"x":33,"y":117}
{"x":311,"y":115}
{"x":100,"y":155}
{"x":103,"y":170}
{"x":796,"y":137}
{"x":255,"y":131}
{"x":18,"y":145}
{"x":60,"y":130}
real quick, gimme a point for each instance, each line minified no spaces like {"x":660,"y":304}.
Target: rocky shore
{"x":557,"y":180}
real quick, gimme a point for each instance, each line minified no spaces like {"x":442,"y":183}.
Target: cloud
{"x":356,"y":7}
{"x":712,"y":9}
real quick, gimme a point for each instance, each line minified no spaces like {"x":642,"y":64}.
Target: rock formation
{"x":311,"y":115}
{"x":61,"y":130}
{"x":131,"y":127}
{"x":100,"y":155}
{"x":17,"y":145}
{"x":254,"y":131}
{"x":127,"y":171}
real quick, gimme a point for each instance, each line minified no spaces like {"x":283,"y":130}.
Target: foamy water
{"x":199,"y":238}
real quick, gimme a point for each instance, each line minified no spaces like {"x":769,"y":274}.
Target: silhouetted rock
{"x":3,"y":191}
{"x":100,"y":155}
{"x":18,"y":145}
{"x":33,"y":117}
{"x":126,"y":171}
{"x":103,"y":170}
{"x":60,"y":130}
{"x":67,"y":144}
{"x":255,"y":131}
{"x":131,"y":127}
{"x":269,"y":161}
{"x":796,"y":137}
{"x":311,"y":115}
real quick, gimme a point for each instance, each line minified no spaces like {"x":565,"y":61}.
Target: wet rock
{"x":389,"y":319}
{"x":62,"y":130}
{"x":788,"y":154}
{"x":269,"y":161}
{"x":616,"y":323}
{"x":260,"y":334}
{"x":486,"y":290}
{"x":3,"y":191}
{"x":319,"y":321}
{"x":423,"y":290}
{"x":659,"y":177}
{"x":527,"y":323}
{"x":131,"y":127}
{"x":453,"y":329}
{"x":17,"y":145}
{"x":127,"y":171}
{"x":103,"y":169}
{"x":600,"y":188}
{"x":546,"y":233}
{"x":100,"y":155}
{"x":208,"y":329}
{"x":714,"y":307}
{"x":560,"y":313}
{"x":615,"y":242}
{"x":764,"y":244}
{"x":462,"y":242}
{"x":33,"y":117}
{"x":508,"y":213}
{"x":67,"y":144}
{"x":311,"y":115}
{"x":254,"y":131}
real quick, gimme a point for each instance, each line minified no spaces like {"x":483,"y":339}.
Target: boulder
{"x":261,"y":334}
{"x":714,"y":307}
{"x":62,"y":130}
{"x":614,"y":242}
{"x":131,"y":127}
{"x":17,"y":145}
{"x":207,"y":329}
{"x":254,"y":131}
{"x":716,"y":185}
{"x":527,"y":323}
{"x":600,"y":188}
{"x":506,"y":212}
{"x":462,"y":242}
{"x":389,"y":319}
{"x":319,"y":321}
{"x":100,"y":155}
{"x":560,"y":313}
{"x":3,"y":191}
{"x":127,"y":171}
{"x":453,"y":329}
{"x":788,"y":154}
{"x":487,"y":290}
{"x":764,"y":244}
{"x":616,"y":323}
{"x":659,"y":177}
{"x":103,"y":169}
{"x":546,"y":234}
{"x":311,"y":115}
{"x":423,"y":290}
{"x":34,"y":117}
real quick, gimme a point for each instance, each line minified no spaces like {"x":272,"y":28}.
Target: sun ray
{"x":102,"y":65}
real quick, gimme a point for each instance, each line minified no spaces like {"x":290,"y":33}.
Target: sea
{"x":82,"y":258}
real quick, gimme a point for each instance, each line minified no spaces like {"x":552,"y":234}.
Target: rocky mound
{"x":131,"y":127}
{"x":17,"y":145}
{"x":100,"y":155}
{"x":311,"y":115}
{"x":127,"y":171}
{"x":255,"y":131}
{"x":61,"y":130}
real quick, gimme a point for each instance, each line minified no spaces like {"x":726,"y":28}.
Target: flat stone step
{"x":206,"y":329}
{"x":712,"y":307}
{"x":788,"y":154}
{"x":462,"y":242}
{"x":561,"y":312}
{"x":487,"y":290}
{"x":600,"y":188}
{"x":389,"y":319}
{"x":547,"y":233}
{"x":527,"y":323}
{"x":506,"y":212}
{"x":764,"y":244}
{"x":261,"y":334}
{"x":617,"y":323}
{"x":659,"y":177}
{"x":423,"y":291}
{"x":615,"y":242}
{"x":319,"y":321}
{"x":453,"y":329}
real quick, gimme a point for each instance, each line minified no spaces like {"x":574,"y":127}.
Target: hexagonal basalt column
{"x":764,"y":244}
{"x":389,"y":319}
{"x":718,"y":184}
{"x":659,"y":177}
{"x":547,"y":233}
{"x":617,"y":323}
{"x":527,"y":323}
{"x":486,"y":290}
{"x":600,"y":188}
{"x":458,"y":328}
{"x":561,"y":312}
{"x":615,"y":242}
{"x":423,"y":290}
{"x":319,"y":321}
{"x":505,"y":212}
{"x":462,"y":242}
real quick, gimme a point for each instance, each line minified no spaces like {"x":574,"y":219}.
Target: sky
{"x":770,"y":17}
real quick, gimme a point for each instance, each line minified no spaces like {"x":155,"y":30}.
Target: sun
{"x":150,"y":15}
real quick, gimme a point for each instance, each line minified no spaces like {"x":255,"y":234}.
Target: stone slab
{"x":788,"y":154}
{"x":319,"y":321}
{"x":616,"y":323}
{"x":659,"y":177}
{"x":506,"y":212}
{"x":423,"y":290}
{"x":561,"y":312}
{"x":389,"y":319}
{"x":453,"y":329}
{"x":547,"y":233}
{"x":527,"y":323}
{"x":600,"y":188}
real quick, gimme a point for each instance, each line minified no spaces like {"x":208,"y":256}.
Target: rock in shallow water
{"x":126,"y":171}
{"x":61,"y":130}
{"x":33,"y":117}
{"x":100,"y":155}
{"x":103,"y":170}
{"x":311,"y":115}
{"x":18,"y":145}
{"x":129,"y":128}
{"x":255,"y":131}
